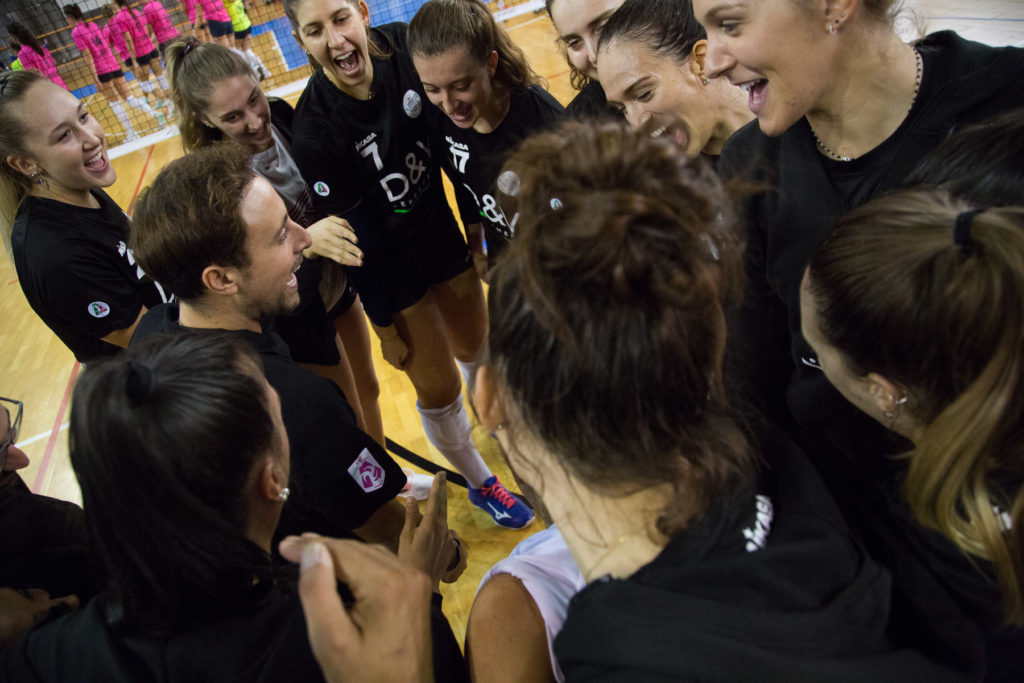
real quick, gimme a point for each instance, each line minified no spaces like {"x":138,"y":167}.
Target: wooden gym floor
{"x":40,"y":371}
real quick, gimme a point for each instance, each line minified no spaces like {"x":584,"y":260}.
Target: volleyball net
{"x":137,"y":104}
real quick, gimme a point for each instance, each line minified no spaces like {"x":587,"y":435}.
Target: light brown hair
{"x":897,"y":296}
{"x":194,"y":68}
{"x":14,"y":185}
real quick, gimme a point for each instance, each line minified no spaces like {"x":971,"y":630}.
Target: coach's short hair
{"x":189,"y":218}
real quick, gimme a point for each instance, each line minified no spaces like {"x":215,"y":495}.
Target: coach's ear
{"x":222,"y":280}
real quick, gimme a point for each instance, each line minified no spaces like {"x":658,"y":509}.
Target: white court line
{"x":37,"y":437}
{"x":527,"y":23}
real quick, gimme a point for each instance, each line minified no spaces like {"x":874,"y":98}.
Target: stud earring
{"x":832,"y":29}
{"x":283,"y":495}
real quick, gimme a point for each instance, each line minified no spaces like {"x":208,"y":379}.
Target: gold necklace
{"x":824,"y":149}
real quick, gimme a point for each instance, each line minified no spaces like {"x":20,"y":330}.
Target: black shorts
{"x":243,"y":34}
{"x":145,"y":59}
{"x":220,"y":28}
{"x":109,"y":76}
{"x":415,"y":271}
{"x":348,"y":297}
{"x":128,"y":63}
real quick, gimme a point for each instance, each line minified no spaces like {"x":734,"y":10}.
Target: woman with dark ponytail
{"x":131,"y":25}
{"x":490,"y":99}
{"x":717,"y":545}
{"x":913,"y":305}
{"x":34,"y":56}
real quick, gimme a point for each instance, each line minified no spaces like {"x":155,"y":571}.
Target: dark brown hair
{"x":194,"y":68}
{"x":896,"y":295}
{"x":666,"y":27}
{"x":607,"y":324}
{"x":188,"y":218}
{"x":443,"y":25}
{"x":163,"y":440}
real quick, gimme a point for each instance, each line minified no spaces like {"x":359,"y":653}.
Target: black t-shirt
{"x":339,"y":475}
{"x":473,"y":160}
{"x":963,"y":83}
{"x":77,"y":272}
{"x":767,"y":585}
{"x":374,"y":154}
{"x":265,"y":643}
{"x":591,"y":103}
{"x":44,"y":543}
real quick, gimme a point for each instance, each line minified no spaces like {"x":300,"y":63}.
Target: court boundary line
{"x":44,"y":466}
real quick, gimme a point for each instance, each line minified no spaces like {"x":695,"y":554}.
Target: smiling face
{"x":779,"y":53}
{"x":579,"y":23}
{"x":62,"y":141}
{"x":274,"y":244}
{"x":647,"y":85}
{"x":240,"y":110}
{"x":334,"y":33}
{"x":459,"y":85}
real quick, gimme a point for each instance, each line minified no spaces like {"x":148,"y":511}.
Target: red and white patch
{"x":367,"y":472}
{"x":99,"y":309}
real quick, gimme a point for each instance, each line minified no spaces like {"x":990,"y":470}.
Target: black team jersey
{"x":370,"y":162}
{"x":473,"y":160}
{"x":77,"y":272}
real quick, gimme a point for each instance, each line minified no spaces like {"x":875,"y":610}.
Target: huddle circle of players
{"x":745,"y":344}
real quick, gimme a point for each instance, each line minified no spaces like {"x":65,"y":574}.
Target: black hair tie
{"x":139,"y":382}
{"x":962,"y":230}
{"x":191,"y":44}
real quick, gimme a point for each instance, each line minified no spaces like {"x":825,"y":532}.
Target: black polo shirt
{"x":339,"y":475}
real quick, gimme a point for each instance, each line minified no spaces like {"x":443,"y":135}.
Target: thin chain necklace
{"x":824,"y":149}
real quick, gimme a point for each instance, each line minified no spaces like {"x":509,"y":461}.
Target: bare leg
{"x":355,"y":340}
{"x":462,"y":306}
{"x":341,"y":374}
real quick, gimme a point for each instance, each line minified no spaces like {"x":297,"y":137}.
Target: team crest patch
{"x":320,"y":187}
{"x":412,"y":103}
{"x":98,"y":309}
{"x":367,"y":472}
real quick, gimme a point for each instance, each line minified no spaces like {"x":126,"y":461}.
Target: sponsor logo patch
{"x":367,"y":472}
{"x":412,"y":103}
{"x":320,"y":187}
{"x":98,"y":309}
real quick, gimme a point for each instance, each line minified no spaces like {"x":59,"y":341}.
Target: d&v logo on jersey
{"x":367,"y":472}
{"x":320,"y":187}
{"x":98,"y":309}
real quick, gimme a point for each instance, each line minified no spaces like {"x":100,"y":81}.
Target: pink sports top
{"x":126,"y":21}
{"x":213,"y":10}
{"x":117,"y":42}
{"x":43,"y":63}
{"x":89,"y":38}
{"x":156,"y":16}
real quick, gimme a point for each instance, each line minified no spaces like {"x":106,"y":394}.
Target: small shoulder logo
{"x":367,"y":472}
{"x":412,"y":103}
{"x":757,"y":534}
{"x":98,"y":309}
{"x":320,"y":187}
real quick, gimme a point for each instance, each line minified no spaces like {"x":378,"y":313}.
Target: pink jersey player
{"x":117,"y":42}
{"x":154,"y":14}
{"x":43,"y":63}
{"x":213,"y":10}
{"x":89,"y":39}
{"x":127,"y":21}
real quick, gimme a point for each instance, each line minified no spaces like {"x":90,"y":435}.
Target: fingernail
{"x":314,"y":554}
